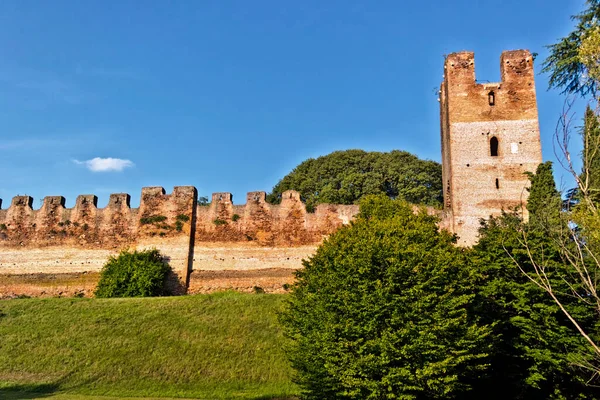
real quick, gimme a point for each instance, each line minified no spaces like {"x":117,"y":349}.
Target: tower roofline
{"x":514,"y":64}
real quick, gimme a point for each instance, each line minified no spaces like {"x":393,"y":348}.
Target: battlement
{"x":287,"y":223}
{"x":168,"y":215}
{"x":513,"y":98}
{"x":460,"y":67}
{"x":119,"y":200}
{"x":53,"y":202}
{"x":515,"y":65}
{"x":222,"y":197}
{"x":86,"y":200}
{"x":85,"y":224}
{"x":256,"y":198}
{"x":22,"y":201}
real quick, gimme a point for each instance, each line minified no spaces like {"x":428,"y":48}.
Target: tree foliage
{"x":535,"y":349}
{"x":133,"y":274}
{"x":381,"y":311}
{"x":344,"y":177}
{"x":574,"y":65}
{"x":544,"y":203}
{"x":389,"y":307}
{"x":573,"y":59}
{"x":590,"y":175}
{"x":589,"y":52}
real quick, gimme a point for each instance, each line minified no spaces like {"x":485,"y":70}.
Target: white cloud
{"x":99,"y":164}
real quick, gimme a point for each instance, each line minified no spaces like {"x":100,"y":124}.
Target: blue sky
{"x":231,"y":95}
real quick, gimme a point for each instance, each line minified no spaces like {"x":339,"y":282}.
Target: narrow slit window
{"x":497,"y":184}
{"x":492,"y":98}
{"x":494,"y":146}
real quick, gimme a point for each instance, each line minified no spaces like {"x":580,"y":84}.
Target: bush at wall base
{"x":134,"y":274}
{"x":382,"y":311}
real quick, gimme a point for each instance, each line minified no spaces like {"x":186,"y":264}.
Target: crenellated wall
{"x":285,"y":224}
{"x":61,"y":243}
{"x":86,"y":225}
{"x":57,"y":240}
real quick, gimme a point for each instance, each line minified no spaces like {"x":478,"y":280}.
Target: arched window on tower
{"x":494,"y":146}
{"x":492,"y":98}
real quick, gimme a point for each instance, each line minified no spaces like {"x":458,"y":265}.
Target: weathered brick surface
{"x":285,"y":224}
{"x":477,"y":183}
{"x":249,"y":256}
{"x":271,"y":280}
{"x":58,"y":241}
{"x":55,"y":239}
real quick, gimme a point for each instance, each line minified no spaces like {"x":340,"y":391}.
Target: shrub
{"x":219,"y":222}
{"x":178,"y":226}
{"x":183,"y":218}
{"x":133,"y":274}
{"x":3,"y":227}
{"x":235,"y":217}
{"x":258,"y":290}
{"x":381,"y":311}
{"x":152,"y":219}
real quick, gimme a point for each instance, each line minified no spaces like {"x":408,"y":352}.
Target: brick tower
{"x":490,"y":138}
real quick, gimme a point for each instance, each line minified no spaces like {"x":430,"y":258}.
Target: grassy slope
{"x":224,"y":345}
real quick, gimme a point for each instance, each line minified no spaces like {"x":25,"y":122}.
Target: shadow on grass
{"x":275,"y":398}
{"x":27,"y":391}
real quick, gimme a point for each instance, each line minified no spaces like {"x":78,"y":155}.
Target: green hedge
{"x":134,"y":274}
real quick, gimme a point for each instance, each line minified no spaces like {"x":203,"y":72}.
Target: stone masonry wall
{"x":55,"y":239}
{"x":58,"y":244}
{"x":477,"y":182}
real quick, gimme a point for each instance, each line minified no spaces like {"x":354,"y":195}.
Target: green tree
{"x":381,"y":311}
{"x":574,"y":66}
{"x":133,"y":274}
{"x":573,"y":60}
{"x":590,"y":174}
{"x":536,"y":350}
{"x":344,"y":177}
{"x":544,"y":316}
{"x":589,"y":52}
{"x":544,"y":202}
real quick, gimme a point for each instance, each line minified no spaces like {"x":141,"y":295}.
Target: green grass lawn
{"x":218,"y":346}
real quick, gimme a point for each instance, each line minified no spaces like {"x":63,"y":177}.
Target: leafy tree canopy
{"x":535,"y":348}
{"x":573,"y":61}
{"x":344,"y":177}
{"x":590,"y":175}
{"x":544,"y":203}
{"x":381,"y":311}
